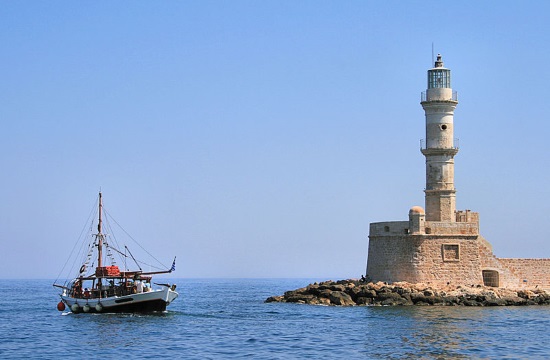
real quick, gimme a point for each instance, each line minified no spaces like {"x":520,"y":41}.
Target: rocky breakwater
{"x":354,"y":292}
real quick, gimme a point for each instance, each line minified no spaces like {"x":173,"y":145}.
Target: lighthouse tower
{"x":439,"y":102}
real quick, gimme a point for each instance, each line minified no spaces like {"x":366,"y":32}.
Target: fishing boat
{"x":106,"y":288}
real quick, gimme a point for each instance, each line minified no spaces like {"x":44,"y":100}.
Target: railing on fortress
{"x":423,"y":96}
{"x":423,"y":145}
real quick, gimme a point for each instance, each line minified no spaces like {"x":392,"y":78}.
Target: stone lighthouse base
{"x":440,"y":254}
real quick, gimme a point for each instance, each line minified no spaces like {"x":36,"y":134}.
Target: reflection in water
{"x":102,"y":329}
{"x":450,"y":332}
{"x":435,"y":334}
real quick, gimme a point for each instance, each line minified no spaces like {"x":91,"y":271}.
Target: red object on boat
{"x":107,"y":271}
{"x":61,"y":306}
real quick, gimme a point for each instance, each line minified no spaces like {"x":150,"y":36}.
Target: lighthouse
{"x":440,"y":245}
{"x":439,"y":147}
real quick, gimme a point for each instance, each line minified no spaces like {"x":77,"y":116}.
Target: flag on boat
{"x":173,"y":268}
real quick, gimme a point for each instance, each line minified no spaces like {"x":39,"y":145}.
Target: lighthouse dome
{"x":416,"y":210}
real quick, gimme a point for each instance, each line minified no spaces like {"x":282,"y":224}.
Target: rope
{"x":76,"y":243}
{"x":122,"y":256}
{"x":138,"y":244}
{"x":126,"y":247}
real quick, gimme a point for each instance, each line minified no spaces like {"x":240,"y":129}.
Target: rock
{"x":337,"y":287}
{"x":470,"y":303}
{"x":419,"y":298}
{"x":363,"y":301}
{"x":376,"y":286}
{"x":514,"y":300}
{"x":482,"y":298}
{"x":421,"y":303}
{"x":407,"y":298}
{"x":354,"y":292}
{"x":290,"y":293}
{"x":274,"y":299}
{"x":495,"y":302}
{"x":324,"y":301}
{"x":300,"y":298}
{"x":388,"y":296}
{"x":325,"y":293}
{"x":451,"y":300}
{"x":389,"y":302}
{"x":364,"y":291}
{"x":526,"y":294}
{"x":341,"y":298}
{"x":313,"y":289}
{"x":402,"y":290}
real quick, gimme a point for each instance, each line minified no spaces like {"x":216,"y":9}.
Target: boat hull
{"x":146,"y":302}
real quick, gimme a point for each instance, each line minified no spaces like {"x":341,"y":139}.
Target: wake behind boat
{"x":108,"y":289}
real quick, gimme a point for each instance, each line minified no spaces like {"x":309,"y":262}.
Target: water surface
{"x":224,"y":319}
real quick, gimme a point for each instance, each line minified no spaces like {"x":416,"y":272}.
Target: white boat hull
{"x":150,"y":301}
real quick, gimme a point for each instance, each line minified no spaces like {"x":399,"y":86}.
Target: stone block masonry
{"x":444,"y":254}
{"x":529,"y":273}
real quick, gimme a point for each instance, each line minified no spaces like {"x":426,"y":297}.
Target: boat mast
{"x":100,"y":235}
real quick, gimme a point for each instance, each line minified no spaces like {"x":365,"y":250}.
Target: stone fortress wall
{"x":452,"y":253}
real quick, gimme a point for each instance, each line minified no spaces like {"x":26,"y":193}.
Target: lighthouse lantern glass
{"x":439,"y":78}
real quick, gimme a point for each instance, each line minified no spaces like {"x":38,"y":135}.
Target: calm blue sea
{"x":225,"y":319}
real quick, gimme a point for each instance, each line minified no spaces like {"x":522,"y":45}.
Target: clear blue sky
{"x":260,"y":138}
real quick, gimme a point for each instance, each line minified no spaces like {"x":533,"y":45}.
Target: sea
{"x":228,"y":319}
